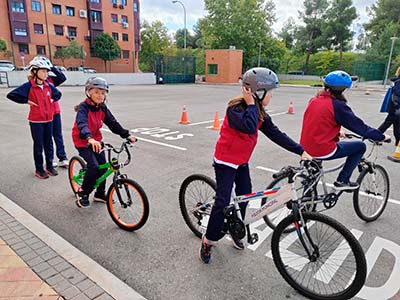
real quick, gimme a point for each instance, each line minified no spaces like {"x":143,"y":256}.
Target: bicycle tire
{"x":323,"y":278}
{"x":370,"y":208}
{"x":273,"y":219}
{"x":132,"y":211}
{"x":197,"y":190}
{"x":76,"y":166}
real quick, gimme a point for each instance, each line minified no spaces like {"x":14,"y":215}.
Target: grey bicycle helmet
{"x":260,"y":80}
{"x":96,"y":82}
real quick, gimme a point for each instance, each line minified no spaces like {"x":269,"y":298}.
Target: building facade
{"x":41,"y":27}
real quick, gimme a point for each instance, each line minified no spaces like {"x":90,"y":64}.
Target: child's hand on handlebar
{"x":306,"y":156}
{"x":96,"y":146}
{"x":132,"y":139}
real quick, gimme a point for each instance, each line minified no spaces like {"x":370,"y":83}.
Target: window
{"x":113,"y":1}
{"x":38,"y":28}
{"x":56,"y":9}
{"x":124,"y":2}
{"x":70,"y":11}
{"x":124,"y":19}
{"x":71,"y":31}
{"x":40,"y":50}
{"x":23,"y":48}
{"x":212,"y":69}
{"x":125,"y":37}
{"x":135,"y":7}
{"x":114,"y":18}
{"x":115,"y":36}
{"x":125,"y":53}
{"x":96,"y":16}
{"x":18,"y":7}
{"x":95,"y":1}
{"x":20,"y":32}
{"x":36,"y":6}
{"x":59,"y":29}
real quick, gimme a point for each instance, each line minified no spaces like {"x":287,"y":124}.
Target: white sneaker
{"x":63,"y":163}
{"x":55,"y":165}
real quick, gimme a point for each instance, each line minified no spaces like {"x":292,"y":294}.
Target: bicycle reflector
{"x":114,"y":163}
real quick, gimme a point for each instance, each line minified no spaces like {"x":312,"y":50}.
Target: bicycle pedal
{"x":253,"y":238}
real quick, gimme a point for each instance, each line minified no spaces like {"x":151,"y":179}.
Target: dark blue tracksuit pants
{"x":58,"y":137}
{"x":93,"y":160}
{"x":225,"y":177}
{"x":354,"y":151}
{"x":42,"y":140}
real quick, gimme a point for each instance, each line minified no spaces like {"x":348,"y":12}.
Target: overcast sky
{"x":172,"y":14}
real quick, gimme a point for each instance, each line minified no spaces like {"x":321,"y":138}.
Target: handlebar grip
{"x":282,"y":173}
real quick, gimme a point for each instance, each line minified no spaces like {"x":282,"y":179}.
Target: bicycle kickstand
{"x":252,"y":238}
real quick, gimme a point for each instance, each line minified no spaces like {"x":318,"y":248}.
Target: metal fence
{"x":175,"y":69}
{"x":368,"y":71}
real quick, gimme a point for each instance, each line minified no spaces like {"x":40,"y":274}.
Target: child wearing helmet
{"x":56,"y":77}
{"x":90,"y":116}
{"x":323,"y":119}
{"x":39,"y":94}
{"x":245,"y":116}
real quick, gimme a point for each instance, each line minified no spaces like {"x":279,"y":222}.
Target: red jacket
{"x":43,"y":112}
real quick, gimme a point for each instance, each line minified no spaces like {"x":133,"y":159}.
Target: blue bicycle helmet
{"x":338,"y":81}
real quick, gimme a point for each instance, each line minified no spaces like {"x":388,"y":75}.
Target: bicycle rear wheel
{"x":336,"y":269}
{"x":76,"y":172}
{"x":278,"y":215}
{"x":196,"y":198}
{"x":127,"y":204}
{"x":371,"y":198}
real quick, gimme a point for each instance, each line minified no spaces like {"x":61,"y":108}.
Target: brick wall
{"x":223,"y":65}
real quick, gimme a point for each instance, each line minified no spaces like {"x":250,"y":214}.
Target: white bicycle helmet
{"x":39,"y":63}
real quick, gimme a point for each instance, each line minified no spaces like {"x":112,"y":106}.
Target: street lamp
{"x":184,"y":21}
{"x":390,"y":57}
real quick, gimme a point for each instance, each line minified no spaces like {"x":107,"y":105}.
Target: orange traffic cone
{"x":290,"y":109}
{"x":184,"y":119}
{"x":216,"y":122}
{"x":396,"y":155}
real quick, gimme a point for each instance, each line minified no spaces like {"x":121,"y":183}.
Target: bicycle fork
{"x":311,"y":249}
{"x":116,"y":181}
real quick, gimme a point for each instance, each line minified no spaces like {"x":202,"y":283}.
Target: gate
{"x":175,"y":69}
{"x":368,"y":71}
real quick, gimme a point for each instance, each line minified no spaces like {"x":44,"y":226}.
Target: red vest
{"x":234,"y":146}
{"x":43,"y":112}
{"x":320,"y":131}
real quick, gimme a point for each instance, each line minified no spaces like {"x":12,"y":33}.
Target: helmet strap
{"x":36,"y":76}
{"x":260,"y":99}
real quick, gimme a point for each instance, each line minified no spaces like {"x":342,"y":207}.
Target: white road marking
{"x":328,"y":184}
{"x":153,"y":142}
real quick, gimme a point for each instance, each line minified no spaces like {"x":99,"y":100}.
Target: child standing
{"x":91,"y":114}
{"x":39,"y":94}
{"x":238,"y":137}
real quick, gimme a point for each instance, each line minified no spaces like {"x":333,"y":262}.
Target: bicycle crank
{"x":330,"y":200}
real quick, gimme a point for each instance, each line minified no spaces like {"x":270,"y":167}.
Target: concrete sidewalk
{"x":38,"y":264}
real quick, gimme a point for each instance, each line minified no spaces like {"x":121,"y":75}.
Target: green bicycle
{"x":127,"y":202}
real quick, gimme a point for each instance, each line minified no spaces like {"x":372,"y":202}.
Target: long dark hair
{"x":337,"y":94}
{"x":240,"y":101}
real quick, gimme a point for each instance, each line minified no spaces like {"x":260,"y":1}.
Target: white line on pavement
{"x":204,"y":122}
{"x":274,"y":171}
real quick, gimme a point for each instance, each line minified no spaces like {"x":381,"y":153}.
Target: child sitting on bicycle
{"x":245,"y":115}
{"x":87,"y":137}
{"x":324,"y":116}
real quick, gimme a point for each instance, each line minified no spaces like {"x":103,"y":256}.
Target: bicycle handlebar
{"x":124,"y":147}
{"x":352,"y":135}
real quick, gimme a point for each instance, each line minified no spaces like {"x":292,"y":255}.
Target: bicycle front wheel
{"x":196,"y":198}
{"x":279,"y":214}
{"x":336,"y":268}
{"x":127,"y":204}
{"x":371,"y":198}
{"x":76,"y":172}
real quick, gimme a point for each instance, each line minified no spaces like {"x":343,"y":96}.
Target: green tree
{"x":309,"y":36}
{"x":240,"y":23}
{"x":3,"y":45}
{"x":63,"y":54}
{"x":339,"y":17}
{"x":381,"y":14}
{"x":287,"y":33}
{"x":155,"y":40}
{"x":106,"y":48}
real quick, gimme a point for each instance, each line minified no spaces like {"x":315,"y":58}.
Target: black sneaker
{"x":100,"y":197}
{"x":238,"y":244}
{"x":41,"y":174}
{"x":83,"y":200}
{"x":345,"y":186}
{"x":52,"y":172}
{"x":205,"y":252}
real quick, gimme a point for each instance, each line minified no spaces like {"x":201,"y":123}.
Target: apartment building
{"x":40,"y":27}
